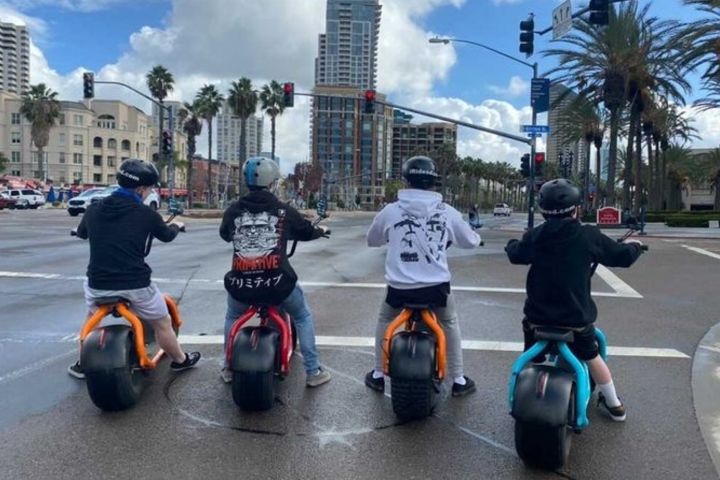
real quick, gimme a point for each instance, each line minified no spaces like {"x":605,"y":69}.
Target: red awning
{"x":164,"y":192}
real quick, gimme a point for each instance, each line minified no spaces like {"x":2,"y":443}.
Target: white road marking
{"x":21,"y":372}
{"x":703,"y":252}
{"x":475,"y":345}
{"x":622,"y":289}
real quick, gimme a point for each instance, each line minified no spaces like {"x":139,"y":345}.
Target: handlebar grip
{"x":182,"y":229}
{"x":644,"y":248}
{"x":73,"y":233}
{"x":482,"y":243}
{"x":327,"y":233}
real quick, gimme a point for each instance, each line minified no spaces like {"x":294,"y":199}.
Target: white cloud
{"x":75,"y":5}
{"x":708,"y":125}
{"x":515,"y":88}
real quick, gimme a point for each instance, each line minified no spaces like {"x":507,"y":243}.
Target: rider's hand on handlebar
{"x":180,"y":225}
{"x":633,"y":241}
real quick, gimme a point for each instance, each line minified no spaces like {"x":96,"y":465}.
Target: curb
{"x":706,"y":391}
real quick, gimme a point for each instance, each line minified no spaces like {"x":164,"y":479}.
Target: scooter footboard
{"x":255,"y":349}
{"x":106,"y":348}
{"x":412,"y":356}
{"x":543,"y":395}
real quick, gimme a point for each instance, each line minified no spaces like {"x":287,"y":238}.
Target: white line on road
{"x":21,"y":372}
{"x":622,"y":289}
{"x":702,"y":252}
{"x":475,"y":345}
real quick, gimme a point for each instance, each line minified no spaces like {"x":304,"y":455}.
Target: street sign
{"x":608,"y":216}
{"x":534,"y":135}
{"x":540,"y":94}
{"x":562,"y":19}
{"x":535,"y":129}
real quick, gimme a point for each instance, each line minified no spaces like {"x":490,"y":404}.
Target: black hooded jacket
{"x":560,"y":253}
{"x":259,"y":226}
{"x":119,"y":229}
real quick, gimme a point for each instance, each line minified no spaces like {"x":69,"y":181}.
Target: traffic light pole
{"x":533,"y":144}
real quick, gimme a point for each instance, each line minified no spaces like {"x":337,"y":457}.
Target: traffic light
{"x":289,"y":95}
{"x":525,"y":165}
{"x":167,"y":142}
{"x":527,"y":37}
{"x":88,"y":85}
{"x":591,"y":197}
{"x":370,"y":102}
{"x":599,"y":12}
{"x":539,"y":162}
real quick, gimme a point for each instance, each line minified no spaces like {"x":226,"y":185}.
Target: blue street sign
{"x":535,"y":135}
{"x":540,"y":94}
{"x":535,"y":129}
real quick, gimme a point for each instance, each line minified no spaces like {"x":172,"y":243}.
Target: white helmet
{"x":260,"y":172}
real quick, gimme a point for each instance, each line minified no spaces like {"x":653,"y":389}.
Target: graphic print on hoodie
{"x":417,"y":230}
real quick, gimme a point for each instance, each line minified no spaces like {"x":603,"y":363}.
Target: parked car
{"x":79,"y":204}
{"x":32,"y":198}
{"x":6,"y":201}
{"x":152,"y":201}
{"x":502,"y":209}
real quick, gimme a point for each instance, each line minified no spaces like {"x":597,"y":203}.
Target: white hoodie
{"x":417,"y":229}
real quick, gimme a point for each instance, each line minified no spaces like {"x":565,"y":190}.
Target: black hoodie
{"x":560,"y":253}
{"x":259,"y":225}
{"x":118,"y":229}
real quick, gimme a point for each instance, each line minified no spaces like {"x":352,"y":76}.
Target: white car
{"x":502,"y":209}
{"x":79,"y":204}
{"x":31,"y":198}
{"x":152,"y":201}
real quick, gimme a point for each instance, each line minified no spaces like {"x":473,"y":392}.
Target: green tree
{"x":192,"y":126}
{"x":243,"y":101}
{"x":41,"y":108}
{"x":271,"y":102}
{"x":209,"y":101}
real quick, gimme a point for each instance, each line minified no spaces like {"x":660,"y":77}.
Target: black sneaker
{"x":191,"y":359}
{"x":377,"y":384}
{"x":460,"y":390}
{"x":75,"y":370}
{"x":618,"y":414}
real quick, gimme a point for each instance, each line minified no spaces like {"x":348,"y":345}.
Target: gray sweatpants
{"x":449,"y":323}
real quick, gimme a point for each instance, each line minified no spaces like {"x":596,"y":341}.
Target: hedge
{"x":692,"y":220}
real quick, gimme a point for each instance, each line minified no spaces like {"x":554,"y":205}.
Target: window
{"x":111,"y":161}
{"x":97,"y":142}
{"x":15,"y":157}
{"x":106,"y":121}
{"x":97,"y":177}
{"x":97,"y":160}
{"x":62,"y":157}
{"x":125,"y":145}
{"x":16,"y":137}
{"x":62,"y":140}
{"x":15,"y":173}
{"x":112,"y":144}
{"x":77,"y":158}
{"x":78,"y":140}
{"x":77,"y":176}
{"x":15,"y":118}
{"x":111,"y":179}
{"x":78,"y":120}
{"x":137,"y":147}
{"x":62,"y":119}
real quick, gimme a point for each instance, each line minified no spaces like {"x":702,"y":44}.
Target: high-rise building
{"x":176,"y":107}
{"x":14,"y":58}
{"x":347,"y":52}
{"x":555,"y":143}
{"x":228,"y":136}
{"x":409,"y":137}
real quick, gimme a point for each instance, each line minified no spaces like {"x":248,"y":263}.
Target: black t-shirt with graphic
{"x":259,"y":226}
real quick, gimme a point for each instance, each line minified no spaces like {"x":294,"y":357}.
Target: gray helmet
{"x":558,"y":197}
{"x":260,"y":172}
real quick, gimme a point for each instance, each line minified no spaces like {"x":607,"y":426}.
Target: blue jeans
{"x":297,"y":307}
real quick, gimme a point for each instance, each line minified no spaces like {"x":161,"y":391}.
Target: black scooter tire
{"x":116,"y":389}
{"x":412,"y":399}
{"x":254,"y":391}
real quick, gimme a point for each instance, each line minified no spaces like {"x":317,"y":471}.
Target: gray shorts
{"x":147,"y":303}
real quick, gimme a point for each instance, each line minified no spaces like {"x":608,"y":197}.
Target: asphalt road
{"x":187,"y":426}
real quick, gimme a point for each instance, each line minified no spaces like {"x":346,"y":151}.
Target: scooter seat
{"x":555,"y":334}
{"x":110,"y":301}
{"x":418,"y":306}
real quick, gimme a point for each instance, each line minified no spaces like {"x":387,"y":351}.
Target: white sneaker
{"x":318,"y":379}
{"x":226,"y":374}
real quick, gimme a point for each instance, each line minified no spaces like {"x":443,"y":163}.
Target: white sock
{"x":611,"y":398}
{"x":378,"y":374}
{"x":460,"y":380}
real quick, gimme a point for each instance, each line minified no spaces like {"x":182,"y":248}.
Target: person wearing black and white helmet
{"x":560,"y":253}
{"x":418,"y":229}
{"x":259,"y":226}
{"x":119,"y":228}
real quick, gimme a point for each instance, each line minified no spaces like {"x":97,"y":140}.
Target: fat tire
{"x":115,"y":389}
{"x":412,"y":399}
{"x":254,"y":391}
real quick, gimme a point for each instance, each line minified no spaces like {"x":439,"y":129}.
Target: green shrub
{"x":691,"y":220}
{"x":199,"y":205}
{"x":341,"y":204}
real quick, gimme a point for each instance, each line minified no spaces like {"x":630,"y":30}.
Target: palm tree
{"x":243,"y":101}
{"x":192,"y":126}
{"x":160,"y":82}
{"x":701,"y":37}
{"x":271,"y":102}
{"x":41,"y":108}
{"x":209,"y":101}
{"x":711,"y":164}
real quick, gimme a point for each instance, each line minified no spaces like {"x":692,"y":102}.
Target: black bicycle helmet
{"x":558,"y":197}
{"x":135,"y":173}
{"x":421,"y":173}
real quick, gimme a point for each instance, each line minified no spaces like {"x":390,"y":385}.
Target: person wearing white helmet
{"x":259,"y":226}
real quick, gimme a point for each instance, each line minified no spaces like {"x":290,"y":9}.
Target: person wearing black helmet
{"x":418,"y":229}
{"x":560,"y":253}
{"x":119,"y":229}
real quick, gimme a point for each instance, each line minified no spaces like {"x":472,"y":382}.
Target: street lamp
{"x":534,"y":67}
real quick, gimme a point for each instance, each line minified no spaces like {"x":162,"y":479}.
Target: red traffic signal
{"x":288,"y":94}
{"x":540,"y":157}
{"x":370,"y":101}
